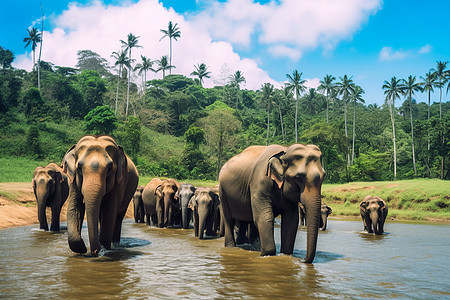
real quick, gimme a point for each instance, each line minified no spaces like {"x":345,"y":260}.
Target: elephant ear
{"x":275,"y":168}
{"x":329,"y":211}
{"x":362,"y":205}
{"x":69,"y":164}
{"x":122,"y":164}
{"x":158,"y":190}
{"x":192,"y":203}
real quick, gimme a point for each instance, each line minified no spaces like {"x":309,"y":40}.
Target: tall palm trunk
{"x":281,"y":120}
{"x":346,"y":133}
{"x":170,"y":59}
{"x":354,"y":129}
{"x":328,"y":100}
{"x":128,"y":87}
{"x":412,"y":133}
{"x":268,"y":123}
{"x":391,"y":111}
{"x":117,"y":91}
{"x":296,"y":118}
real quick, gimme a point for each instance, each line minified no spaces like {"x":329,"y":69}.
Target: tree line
{"x":359,"y":142}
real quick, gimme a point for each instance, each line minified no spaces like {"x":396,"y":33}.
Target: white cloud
{"x":297,"y":24}
{"x":425,"y":49}
{"x":312,"y":83}
{"x":387,"y":54}
{"x":284,"y":51}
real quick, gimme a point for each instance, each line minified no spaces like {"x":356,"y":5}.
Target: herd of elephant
{"x":262,"y":182}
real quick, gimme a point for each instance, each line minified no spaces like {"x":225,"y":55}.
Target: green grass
{"x":18,"y":169}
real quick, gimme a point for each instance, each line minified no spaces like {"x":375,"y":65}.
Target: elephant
{"x":162,"y":202}
{"x":184,"y":195}
{"x":151,"y":195}
{"x":264,"y":181}
{"x":220,"y":223}
{"x":51,"y":188}
{"x":102,"y":181}
{"x":325,"y":211}
{"x":204,"y":205}
{"x":373,"y":212}
{"x":138,"y":205}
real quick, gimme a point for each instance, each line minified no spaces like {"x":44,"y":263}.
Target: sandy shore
{"x":18,"y":206}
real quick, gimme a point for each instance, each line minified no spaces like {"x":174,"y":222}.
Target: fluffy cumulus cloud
{"x":212,"y":35}
{"x":388,"y":53}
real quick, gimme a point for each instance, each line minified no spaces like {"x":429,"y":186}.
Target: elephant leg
{"x":264,"y":221}
{"x":242,"y":233}
{"x":196,"y":224}
{"x":107,"y":223}
{"x":229,"y":223}
{"x":289,"y":226}
{"x":75,"y":216}
{"x":56,"y":210}
{"x":118,"y":227}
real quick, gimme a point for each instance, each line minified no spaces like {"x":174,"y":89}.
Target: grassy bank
{"x":418,"y":199}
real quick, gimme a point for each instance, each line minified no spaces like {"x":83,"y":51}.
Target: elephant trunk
{"x":202,"y":216}
{"x":93,"y":200}
{"x":323,"y":222}
{"x":185,"y":216}
{"x":75,"y":216}
{"x":167,"y":203}
{"x":374,"y":217}
{"x":41,"y":197}
{"x":312,"y":204}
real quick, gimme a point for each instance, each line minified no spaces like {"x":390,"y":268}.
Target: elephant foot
{"x":78,"y":246}
{"x":95,"y":252}
{"x":242,"y":240}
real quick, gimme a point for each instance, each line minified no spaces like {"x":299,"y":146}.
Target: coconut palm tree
{"x":410,"y":86}
{"x":130,"y":43}
{"x":266,"y":97}
{"x":392,"y":90}
{"x":173,"y":32}
{"x":201,"y":71}
{"x":355,"y":96}
{"x":236,"y":80}
{"x":295,"y":85}
{"x":163,"y":65}
{"x":121,"y":61}
{"x":428,"y":84}
{"x":440,"y":73}
{"x":34,"y":37}
{"x":346,"y":86}
{"x":309,"y":101}
{"x":143,"y":67}
{"x":326,"y":85}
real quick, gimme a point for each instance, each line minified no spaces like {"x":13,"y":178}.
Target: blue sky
{"x":371,"y":40}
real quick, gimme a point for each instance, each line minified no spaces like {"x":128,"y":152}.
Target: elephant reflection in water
{"x":373,"y":212}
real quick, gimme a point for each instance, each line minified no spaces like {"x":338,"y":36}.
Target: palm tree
{"x":143,"y":67}
{"x":428,"y":84}
{"x":392,"y":90}
{"x":130,"y":43}
{"x":295,"y":85}
{"x":267,"y":93}
{"x":163,"y":65}
{"x":326,"y":85}
{"x":201,"y":71}
{"x":440,"y":73}
{"x":409,"y":87}
{"x":309,"y":101}
{"x":235,"y":80}
{"x":121,"y":61}
{"x":34,"y":37}
{"x":281,"y":98}
{"x":355,"y":96}
{"x":173,"y":32}
{"x":346,"y":87}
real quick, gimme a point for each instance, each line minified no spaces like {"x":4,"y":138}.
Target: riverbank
{"x":418,"y":200}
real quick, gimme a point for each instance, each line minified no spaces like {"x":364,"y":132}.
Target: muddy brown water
{"x":409,"y":262}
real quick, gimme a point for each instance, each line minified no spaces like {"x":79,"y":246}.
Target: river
{"x":409,"y":262}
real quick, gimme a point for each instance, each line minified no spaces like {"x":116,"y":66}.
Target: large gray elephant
{"x":138,"y":205}
{"x":50,"y":186}
{"x":160,"y":199}
{"x":220,"y":223}
{"x":325,"y":211}
{"x":373,"y":212}
{"x":184,"y":195}
{"x":102,"y":181}
{"x":265,"y":181}
{"x":150,"y":196}
{"x":204,"y":205}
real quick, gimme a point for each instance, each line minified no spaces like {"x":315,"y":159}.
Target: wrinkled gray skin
{"x":325,"y":211}
{"x":265,"y":181}
{"x":184,"y":195}
{"x":50,"y":186}
{"x":220,"y":223}
{"x":150,"y":195}
{"x":159,"y":199}
{"x":204,"y":205}
{"x":138,"y":205}
{"x":373,"y":212}
{"x":102,"y":181}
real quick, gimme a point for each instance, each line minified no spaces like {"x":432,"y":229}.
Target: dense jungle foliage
{"x":177,"y":128}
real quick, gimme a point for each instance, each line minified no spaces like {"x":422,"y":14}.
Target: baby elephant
{"x":373,"y":212}
{"x":138,"y":205}
{"x":204,"y":205}
{"x":50,"y":186}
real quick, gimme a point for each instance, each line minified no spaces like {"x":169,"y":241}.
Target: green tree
{"x":201,"y":71}
{"x":266,"y":97}
{"x":121,"y":61}
{"x":93,"y":87}
{"x":33,"y":141}
{"x":428,"y":84}
{"x":163,"y":65}
{"x":144,"y":67}
{"x":33,"y":103}
{"x":296,"y":85}
{"x":130,"y":137}
{"x":130,"y":43}
{"x":346,"y":86}
{"x":410,"y":86}
{"x":327,"y":85}
{"x":172,"y":32}
{"x":392,"y":90}
{"x":193,"y":158}
{"x":355,"y":96}
{"x":440,"y":73}
{"x":34,"y":37}
{"x":235,"y":81}
{"x":100,"y":120}
{"x":89,"y":60}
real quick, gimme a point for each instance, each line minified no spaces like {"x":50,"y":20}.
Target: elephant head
{"x":204,"y":204}
{"x":325,"y":212}
{"x":50,"y":188}
{"x":373,"y":211}
{"x":96,"y":167}
{"x":299,"y":174}
{"x":184,"y":195}
{"x":166,"y":196}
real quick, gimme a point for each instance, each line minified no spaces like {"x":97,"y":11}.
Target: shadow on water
{"x":321,"y":256}
{"x":373,"y":238}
